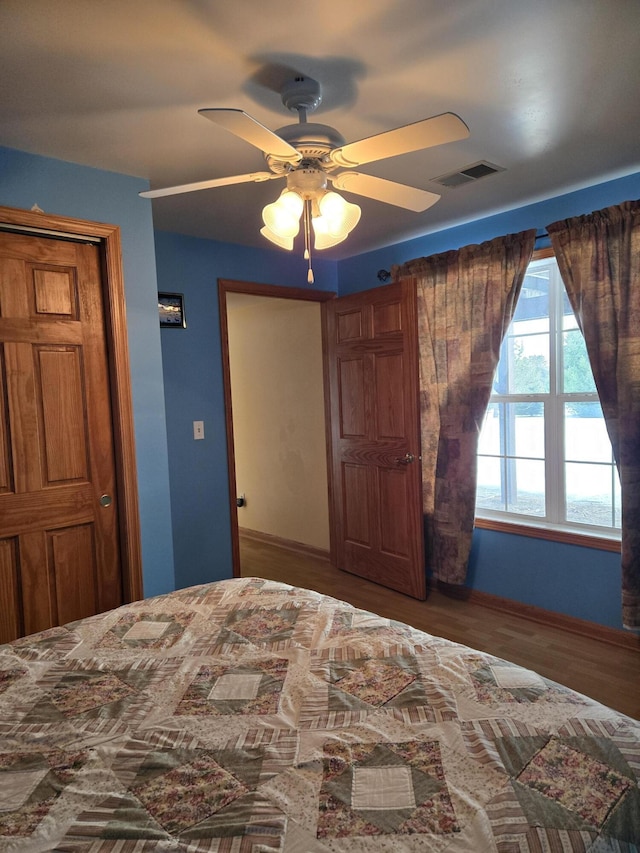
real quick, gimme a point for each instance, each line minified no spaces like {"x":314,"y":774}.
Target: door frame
{"x":253,"y":289}
{"x":109,"y":244}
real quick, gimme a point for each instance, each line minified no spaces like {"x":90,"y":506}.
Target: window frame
{"x":554,"y":461}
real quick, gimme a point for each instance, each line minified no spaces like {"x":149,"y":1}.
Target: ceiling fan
{"x":310,"y":155}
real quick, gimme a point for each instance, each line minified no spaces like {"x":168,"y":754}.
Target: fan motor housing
{"x":314,"y":141}
{"x":307,"y":180}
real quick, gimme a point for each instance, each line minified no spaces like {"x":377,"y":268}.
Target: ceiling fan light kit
{"x":310,"y":155}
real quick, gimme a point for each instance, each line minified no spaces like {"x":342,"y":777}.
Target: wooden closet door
{"x":59,"y":542}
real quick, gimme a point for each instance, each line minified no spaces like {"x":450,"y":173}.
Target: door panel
{"x":9,"y":591}
{"x":55,"y":291}
{"x":394,"y":497}
{"x":62,"y":410}
{"x":352,"y":397}
{"x":389,"y":391}
{"x":6,"y":462}
{"x":376,"y":502}
{"x":355,"y":491}
{"x":72,"y":569}
{"x":59,"y":548}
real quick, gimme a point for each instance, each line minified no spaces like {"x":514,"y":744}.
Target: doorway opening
{"x":272,"y":354}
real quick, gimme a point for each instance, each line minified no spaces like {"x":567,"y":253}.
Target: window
{"x":544,"y":455}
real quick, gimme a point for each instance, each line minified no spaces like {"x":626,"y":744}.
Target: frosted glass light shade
{"x":282,"y":217}
{"x":341,"y":216}
{"x":323,"y":238}
{"x":283,"y":242}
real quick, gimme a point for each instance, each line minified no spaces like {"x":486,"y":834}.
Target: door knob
{"x":407,"y":459}
{"x":105,"y":500}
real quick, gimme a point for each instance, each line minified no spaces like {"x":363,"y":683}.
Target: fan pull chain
{"x":307,"y":238}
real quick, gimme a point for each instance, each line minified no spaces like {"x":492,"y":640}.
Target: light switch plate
{"x":198,"y":430}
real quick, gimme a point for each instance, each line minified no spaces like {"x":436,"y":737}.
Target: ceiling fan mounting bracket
{"x":302,"y":94}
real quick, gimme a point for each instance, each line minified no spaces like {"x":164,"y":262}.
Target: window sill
{"x":584,"y":540}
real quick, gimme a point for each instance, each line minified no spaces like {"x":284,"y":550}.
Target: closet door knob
{"x":106,"y":500}
{"x":407,"y":459}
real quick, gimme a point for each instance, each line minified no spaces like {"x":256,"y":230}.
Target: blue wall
{"x":193,"y":387}
{"x":580,"y":582}
{"x":76,"y":191}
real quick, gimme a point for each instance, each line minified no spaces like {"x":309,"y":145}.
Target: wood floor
{"x":610,"y":674}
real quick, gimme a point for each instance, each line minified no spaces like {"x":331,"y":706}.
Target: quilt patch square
{"x":263,"y":625}
{"x":371,"y":789}
{"x":86,"y":694}
{"x":145,"y":630}
{"x":361,"y":619}
{"x":496,"y":684}
{"x":376,"y":682}
{"x":243,"y":689}
{"x":239,"y":686}
{"x":188,"y":794}
{"x":581,"y":784}
{"x":515,"y":676}
{"x":382,"y":788}
{"x":23,"y":784}
{"x":346,"y":622}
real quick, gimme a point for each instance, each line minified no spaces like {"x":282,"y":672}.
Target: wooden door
{"x":376,"y":493}
{"x":59,"y":538}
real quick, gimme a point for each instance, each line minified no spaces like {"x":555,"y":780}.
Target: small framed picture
{"x":171,"y":311}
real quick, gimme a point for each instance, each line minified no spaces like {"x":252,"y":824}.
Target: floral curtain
{"x":599,"y":260}
{"x":466,"y":299}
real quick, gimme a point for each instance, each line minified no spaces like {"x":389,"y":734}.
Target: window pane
{"x":533,"y":301}
{"x":524,"y":429}
{"x":489,"y":490}
{"x":524,"y":356}
{"x":586,"y":437}
{"x":513,"y":429}
{"x":577,"y":375}
{"x":617,"y":500}
{"x":525,"y":487}
{"x":529,"y":364}
{"x":489,"y":439}
{"x":589,"y":494}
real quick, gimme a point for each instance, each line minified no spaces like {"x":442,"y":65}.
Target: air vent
{"x":468,"y":175}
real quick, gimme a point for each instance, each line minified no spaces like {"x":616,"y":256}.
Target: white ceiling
{"x":550,"y":90}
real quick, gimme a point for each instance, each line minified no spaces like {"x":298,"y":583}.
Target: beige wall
{"x":275,"y":352}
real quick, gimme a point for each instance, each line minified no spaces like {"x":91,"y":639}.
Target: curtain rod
{"x":385,"y":275}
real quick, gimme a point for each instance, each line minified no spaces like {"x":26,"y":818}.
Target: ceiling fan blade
{"x":247,"y":128}
{"x":412,"y":137}
{"x":380,"y":189}
{"x":256,"y":177}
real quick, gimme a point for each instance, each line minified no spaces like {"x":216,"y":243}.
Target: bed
{"x":249,"y":715}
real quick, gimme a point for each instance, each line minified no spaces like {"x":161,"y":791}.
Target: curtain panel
{"x":465,"y":302}
{"x":599,"y":260}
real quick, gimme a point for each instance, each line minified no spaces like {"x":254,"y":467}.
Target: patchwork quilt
{"x":251,"y":716}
